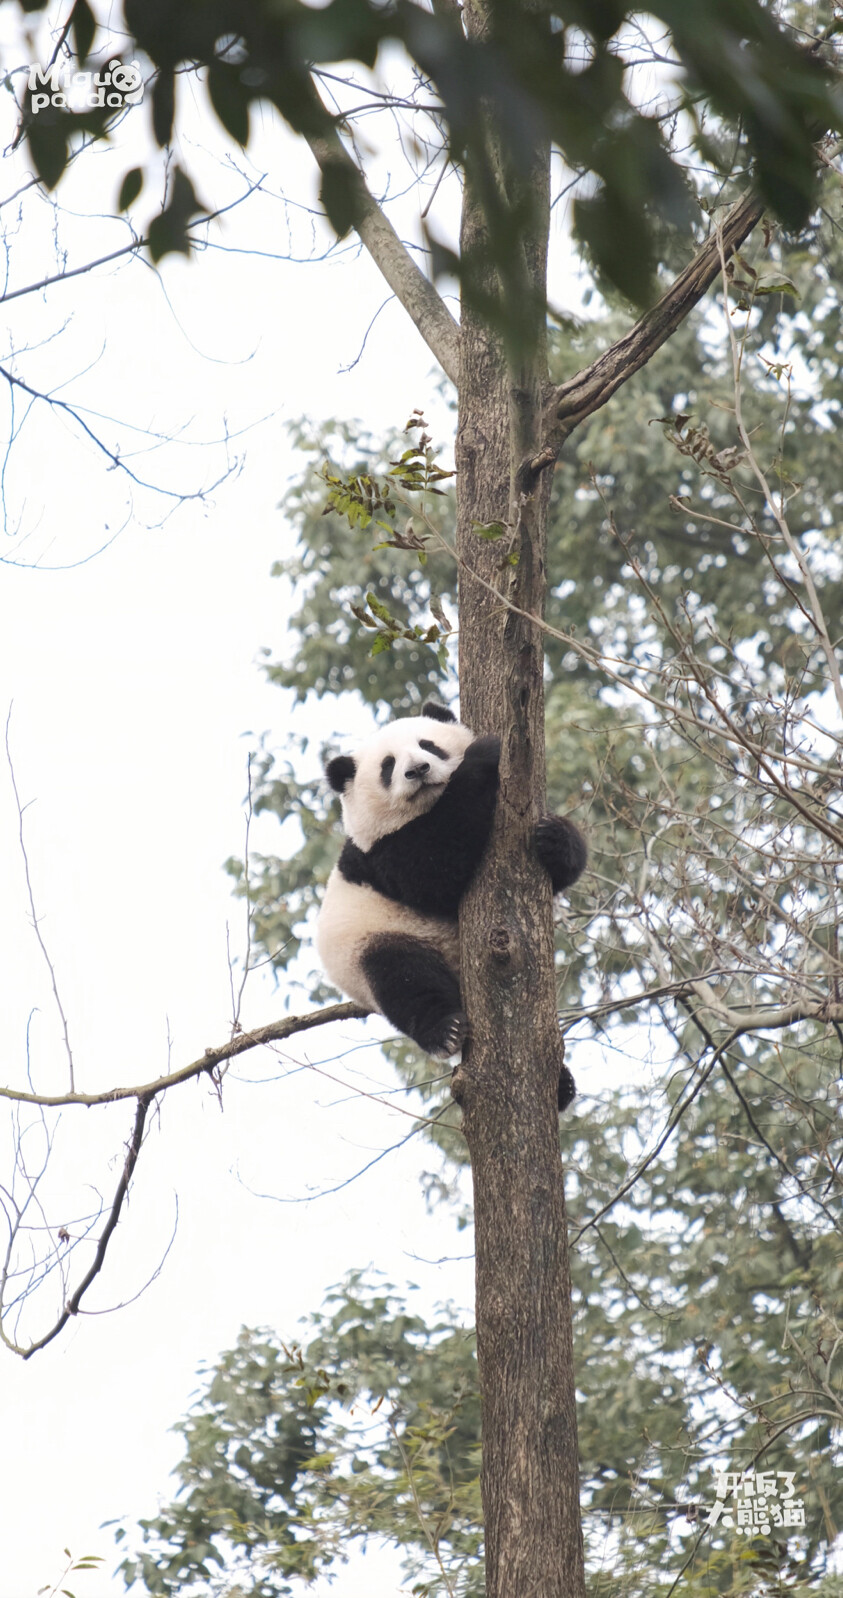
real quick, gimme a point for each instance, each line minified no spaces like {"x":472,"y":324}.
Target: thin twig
{"x":35,"y":919}
{"x":72,"y":1306}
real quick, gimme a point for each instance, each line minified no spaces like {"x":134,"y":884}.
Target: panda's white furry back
{"x":418,"y":803}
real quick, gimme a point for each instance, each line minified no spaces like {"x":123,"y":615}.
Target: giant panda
{"x":418,"y":800}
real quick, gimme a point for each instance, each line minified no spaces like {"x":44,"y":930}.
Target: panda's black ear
{"x":437,"y":712}
{"x":340,"y":772}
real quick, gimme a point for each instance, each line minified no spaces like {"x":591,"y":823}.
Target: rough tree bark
{"x":507,"y":1081}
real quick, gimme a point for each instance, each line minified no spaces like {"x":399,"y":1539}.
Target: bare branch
{"x":416,"y":293}
{"x":775,"y":509}
{"x":580,"y":396}
{"x":145,"y":1096}
{"x":274,"y":1032}
{"x":72,"y":1305}
{"x":673,"y":1120}
{"x":133,"y":248}
{"x":237,"y":998}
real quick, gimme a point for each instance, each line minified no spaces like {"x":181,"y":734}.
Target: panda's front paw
{"x":484,"y":752}
{"x":561,"y":849}
{"x":448,"y":1037}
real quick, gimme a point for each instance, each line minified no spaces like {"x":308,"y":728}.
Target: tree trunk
{"x":507,"y":1082}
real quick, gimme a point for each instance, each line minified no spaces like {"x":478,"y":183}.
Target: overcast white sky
{"x":134,"y":682}
{"x":136,"y":696}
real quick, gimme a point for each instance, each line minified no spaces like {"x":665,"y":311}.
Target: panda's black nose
{"x":420,"y":770}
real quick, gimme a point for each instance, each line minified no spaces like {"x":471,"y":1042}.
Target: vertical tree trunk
{"x":507,"y":1082}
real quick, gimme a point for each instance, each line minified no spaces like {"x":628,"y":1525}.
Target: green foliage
{"x":360,"y":498}
{"x":294,"y":1451}
{"x":702,"y":1343}
{"x":524,"y":71}
{"x":335,"y":563}
{"x":621,"y":455}
{"x":413,"y":477}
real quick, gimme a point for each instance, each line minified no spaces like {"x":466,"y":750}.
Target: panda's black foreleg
{"x":561,"y":849}
{"x":417,"y":991}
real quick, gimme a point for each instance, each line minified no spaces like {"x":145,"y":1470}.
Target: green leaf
{"x":84,"y":27}
{"x":339,"y":193}
{"x":781,"y":285}
{"x":167,"y":233}
{"x":377,"y":608}
{"x":619,"y":242}
{"x":230,"y":99}
{"x":48,"y":147}
{"x":490,"y":530}
{"x":130,"y":188}
{"x":163,"y":107}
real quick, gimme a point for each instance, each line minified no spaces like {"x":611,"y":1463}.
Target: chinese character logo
{"x":756,"y":1503}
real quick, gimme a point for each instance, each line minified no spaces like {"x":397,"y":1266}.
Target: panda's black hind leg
{"x":417,"y":991}
{"x":561,"y":849}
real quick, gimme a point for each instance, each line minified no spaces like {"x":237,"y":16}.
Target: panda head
{"x":399,"y":773}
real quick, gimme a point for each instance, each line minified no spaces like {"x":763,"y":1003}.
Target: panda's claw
{"x":453,"y":1034}
{"x":567,"y":1089}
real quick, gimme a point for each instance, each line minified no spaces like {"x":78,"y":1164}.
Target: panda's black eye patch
{"x":387,"y":768}
{"x":433,"y":749}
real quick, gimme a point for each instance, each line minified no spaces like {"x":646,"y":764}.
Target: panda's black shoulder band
{"x":437,"y":712}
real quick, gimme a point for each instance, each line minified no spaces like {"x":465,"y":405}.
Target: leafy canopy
{"x":554,"y":69}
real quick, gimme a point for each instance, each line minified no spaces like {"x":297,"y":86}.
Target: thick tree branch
{"x":273,"y":1033}
{"x":580,"y":396}
{"x":412,"y":289}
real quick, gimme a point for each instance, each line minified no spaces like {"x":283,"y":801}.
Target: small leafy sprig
{"x":73,"y":1566}
{"x":364,"y":499}
{"x":388,"y":628}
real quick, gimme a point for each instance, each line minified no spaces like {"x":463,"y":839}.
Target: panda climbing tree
{"x":508,"y":81}
{"x":418,"y":803}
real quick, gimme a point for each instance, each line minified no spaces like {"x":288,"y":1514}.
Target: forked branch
{"x":72,"y":1305}
{"x":145,"y":1097}
{"x":593,"y":387}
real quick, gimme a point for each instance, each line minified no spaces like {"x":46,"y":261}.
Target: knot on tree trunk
{"x":500,"y":946}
